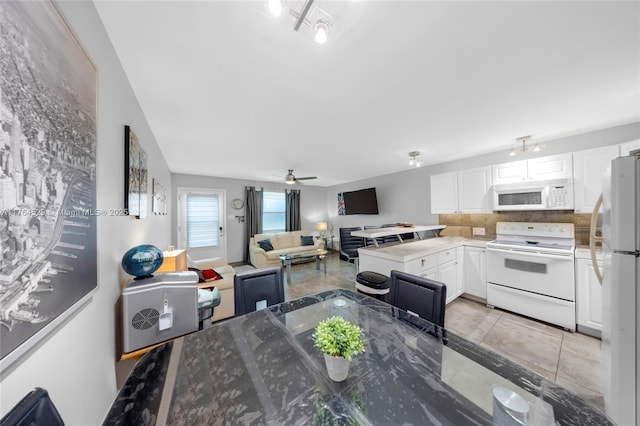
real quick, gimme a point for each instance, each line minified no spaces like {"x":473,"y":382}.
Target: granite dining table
{"x":263,"y":369}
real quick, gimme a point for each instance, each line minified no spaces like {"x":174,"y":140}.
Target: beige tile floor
{"x":572,"y":360}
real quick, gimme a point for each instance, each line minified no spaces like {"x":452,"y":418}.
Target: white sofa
{"x":283,"y":243}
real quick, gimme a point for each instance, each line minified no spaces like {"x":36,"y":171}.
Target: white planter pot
{"x":337,"y":367}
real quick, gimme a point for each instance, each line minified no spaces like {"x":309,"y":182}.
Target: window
{"x":203,"y":220}
{"x":273,"y":212}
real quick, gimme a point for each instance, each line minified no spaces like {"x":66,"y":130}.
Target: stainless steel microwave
{"x":554,"y":194}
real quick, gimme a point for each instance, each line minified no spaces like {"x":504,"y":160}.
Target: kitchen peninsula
{"x":458,"y":262}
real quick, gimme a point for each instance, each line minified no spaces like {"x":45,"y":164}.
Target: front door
{"x":201,"y":222}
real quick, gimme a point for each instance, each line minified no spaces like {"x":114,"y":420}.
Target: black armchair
{"x":349,"y":244}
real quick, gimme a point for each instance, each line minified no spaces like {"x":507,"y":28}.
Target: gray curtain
{"x":292,"y":214}
{"x":253,"y":219}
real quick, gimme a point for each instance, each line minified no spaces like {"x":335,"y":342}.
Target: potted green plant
{"x":339,"y":340}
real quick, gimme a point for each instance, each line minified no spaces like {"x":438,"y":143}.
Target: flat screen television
{"x":363,"y":201}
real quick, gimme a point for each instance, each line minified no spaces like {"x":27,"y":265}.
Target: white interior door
{"x":201,"y":222}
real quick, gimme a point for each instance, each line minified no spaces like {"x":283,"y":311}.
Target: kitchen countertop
{"x":395,"y":230}
{"x":416,"y":249}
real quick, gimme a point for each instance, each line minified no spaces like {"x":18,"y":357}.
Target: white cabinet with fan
{"x":588,"y":168}
{"x":467,"y":191}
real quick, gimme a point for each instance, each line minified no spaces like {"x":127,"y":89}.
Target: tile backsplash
{"x":462,"y":224}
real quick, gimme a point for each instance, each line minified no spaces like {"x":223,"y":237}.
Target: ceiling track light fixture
{"x":521,"y":146}
{"x":317,"y":20}
{"x":414,"y":161}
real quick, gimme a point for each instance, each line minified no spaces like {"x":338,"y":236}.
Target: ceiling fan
{"x":290,"y":178}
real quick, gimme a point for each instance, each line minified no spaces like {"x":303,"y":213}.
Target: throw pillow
{"x":265,"y":245}
{"x":307,"y":240}
{"x":205,"y":275}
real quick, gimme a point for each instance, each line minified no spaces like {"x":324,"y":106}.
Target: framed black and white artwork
{"x":48,"y":215}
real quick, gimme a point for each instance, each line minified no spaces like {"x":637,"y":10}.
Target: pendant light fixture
{"x":318,"y":24}
{"x":321,"y":30}
{"x":414,"y":161}
{"x":275,"y":7}
{"x":521,"y":146}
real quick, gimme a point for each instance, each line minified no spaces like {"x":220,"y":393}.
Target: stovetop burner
{"x":537,"y":237}
{"x":534,"y":245}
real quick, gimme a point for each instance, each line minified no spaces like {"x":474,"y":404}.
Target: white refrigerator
{"x":621,"y":290}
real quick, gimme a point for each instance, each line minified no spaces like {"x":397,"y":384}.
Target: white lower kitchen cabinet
{"x":448,"y":274}
{"x":417,"y":258}
{"x":588,"y":298}
{"x":445,"y":272}
{"x":475,"y":272}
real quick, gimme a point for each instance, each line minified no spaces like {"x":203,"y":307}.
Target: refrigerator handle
{"x":593,"y":238}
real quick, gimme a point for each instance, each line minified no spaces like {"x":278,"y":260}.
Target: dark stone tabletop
{"x":262,"y":368}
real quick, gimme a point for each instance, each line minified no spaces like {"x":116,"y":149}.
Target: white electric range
{"x":530,"y":271}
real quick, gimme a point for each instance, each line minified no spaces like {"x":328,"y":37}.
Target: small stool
{"x":205,"y":310}
{"x":373,"y":284}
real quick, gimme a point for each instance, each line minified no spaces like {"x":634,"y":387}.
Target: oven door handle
{"x":532,"y":254}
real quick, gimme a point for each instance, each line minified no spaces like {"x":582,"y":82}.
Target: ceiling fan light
{"x":275,"y":7}
{"x":536,"y":148}
{"x":321,"y":29}
{"x":418,"y":164}
{"x":412,"y":161}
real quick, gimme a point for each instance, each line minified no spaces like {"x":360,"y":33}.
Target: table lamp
{"x":174,"y":260}
{"x":322,"y":228}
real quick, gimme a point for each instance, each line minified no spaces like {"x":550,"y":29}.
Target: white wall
{"x":76,"y":364}
{"x":312,"y":205}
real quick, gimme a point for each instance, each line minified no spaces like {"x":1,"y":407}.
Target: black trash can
{"x":373,"y":284}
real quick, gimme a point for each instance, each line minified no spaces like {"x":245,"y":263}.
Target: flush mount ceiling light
{"x":318,"y":24}
{"x":414,"y":161}
{"x":521,"y":146}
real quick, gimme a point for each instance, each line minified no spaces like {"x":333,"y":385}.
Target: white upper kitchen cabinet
{"x":444,"y":193}
{"x":474,"y":195}
{"x":628,"y":147}
{"x":589,"y":168}
{"x":515,"y":171}
{"x":549,"y":167}
{"x":467,"y":191}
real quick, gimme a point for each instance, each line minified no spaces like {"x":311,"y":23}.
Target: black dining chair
{"x":257,"y":289}
{"x":419,"y":296}
{"x":36,"y":408}
{"x":349,"y":244}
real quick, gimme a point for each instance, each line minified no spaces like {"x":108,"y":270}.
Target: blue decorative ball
{"x":142,"y":261}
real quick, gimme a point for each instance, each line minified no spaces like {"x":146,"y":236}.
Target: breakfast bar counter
{"x":262,"y":368}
